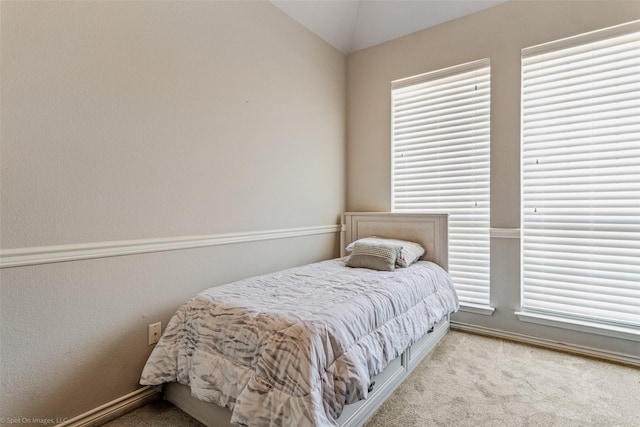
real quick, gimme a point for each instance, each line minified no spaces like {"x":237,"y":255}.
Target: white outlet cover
{"x":155,"y":330}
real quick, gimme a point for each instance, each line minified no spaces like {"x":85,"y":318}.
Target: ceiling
{"x":351,"y":25}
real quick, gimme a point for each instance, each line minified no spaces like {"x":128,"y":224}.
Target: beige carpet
{"x":471,"y":380}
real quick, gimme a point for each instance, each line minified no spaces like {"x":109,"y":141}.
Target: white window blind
{"x":581,"y":178}
{"x":440,"y":142}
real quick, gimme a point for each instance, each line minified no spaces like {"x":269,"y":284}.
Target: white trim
{"x":49,"y":254}
{"x":114,"y":409}
{"x":554,"y":345}
{"x":615,"y":331}
{"x":580,"y":39}
{"x":505,"y":233}
{"x":431,"y":75}
{"x":485,"y":310}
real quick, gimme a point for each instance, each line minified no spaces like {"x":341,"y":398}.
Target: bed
{"x":318,"y":345}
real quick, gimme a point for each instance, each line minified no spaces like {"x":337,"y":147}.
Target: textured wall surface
{"x":144,"y":120}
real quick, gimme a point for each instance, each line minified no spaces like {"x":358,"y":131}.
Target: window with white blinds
{"x":440,"y":144}
{"x":581,"y":178}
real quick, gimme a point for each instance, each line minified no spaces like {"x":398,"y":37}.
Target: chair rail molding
{"x":505,"y":233}
{"x":21,"y":257}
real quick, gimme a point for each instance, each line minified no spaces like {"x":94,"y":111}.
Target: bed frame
{"x":431,"y":231}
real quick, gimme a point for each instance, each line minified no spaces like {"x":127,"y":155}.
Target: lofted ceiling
{"x":351,"y":25}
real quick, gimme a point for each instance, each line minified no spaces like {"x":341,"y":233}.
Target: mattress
{"x":294,"y":347}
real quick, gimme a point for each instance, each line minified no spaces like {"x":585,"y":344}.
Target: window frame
{"x":537,"y":313}
{"x":481,"y":68}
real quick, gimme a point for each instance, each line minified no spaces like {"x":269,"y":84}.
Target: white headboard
{"x":430,"y":230}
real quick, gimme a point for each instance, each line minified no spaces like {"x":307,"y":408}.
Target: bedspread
{"x":293,"y":347}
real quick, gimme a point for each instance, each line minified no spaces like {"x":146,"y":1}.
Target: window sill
{"x":485,"y":310}
{"x":613,"y":331}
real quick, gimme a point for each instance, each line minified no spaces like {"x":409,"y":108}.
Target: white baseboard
{"x":554,"y":345}
{"x":141,"y":397}
{"x":114,"y":409}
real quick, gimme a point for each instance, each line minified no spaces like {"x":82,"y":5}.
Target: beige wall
{"x":498,"y":33}
{"x":130,"y":120}
{"x":142,"y":120}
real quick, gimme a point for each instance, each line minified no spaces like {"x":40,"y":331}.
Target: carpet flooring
{"x":472,"y":380}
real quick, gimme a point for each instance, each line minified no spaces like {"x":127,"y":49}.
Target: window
{"x":581,"y":180}
{"x":440,"y":127}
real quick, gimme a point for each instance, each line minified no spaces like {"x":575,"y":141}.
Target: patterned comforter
{"x":293,"y":347}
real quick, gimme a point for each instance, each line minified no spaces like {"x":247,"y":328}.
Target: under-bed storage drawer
{"x":424,"y":345}
{"x":381,"y":387}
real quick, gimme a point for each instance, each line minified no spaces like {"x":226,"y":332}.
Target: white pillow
{"x":410,"y":252}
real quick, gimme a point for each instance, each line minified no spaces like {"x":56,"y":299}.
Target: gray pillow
{"x":375,"y":257}
{"x":410,"y":252}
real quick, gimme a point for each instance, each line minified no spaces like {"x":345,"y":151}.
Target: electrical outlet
{"x":155,"y":330}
